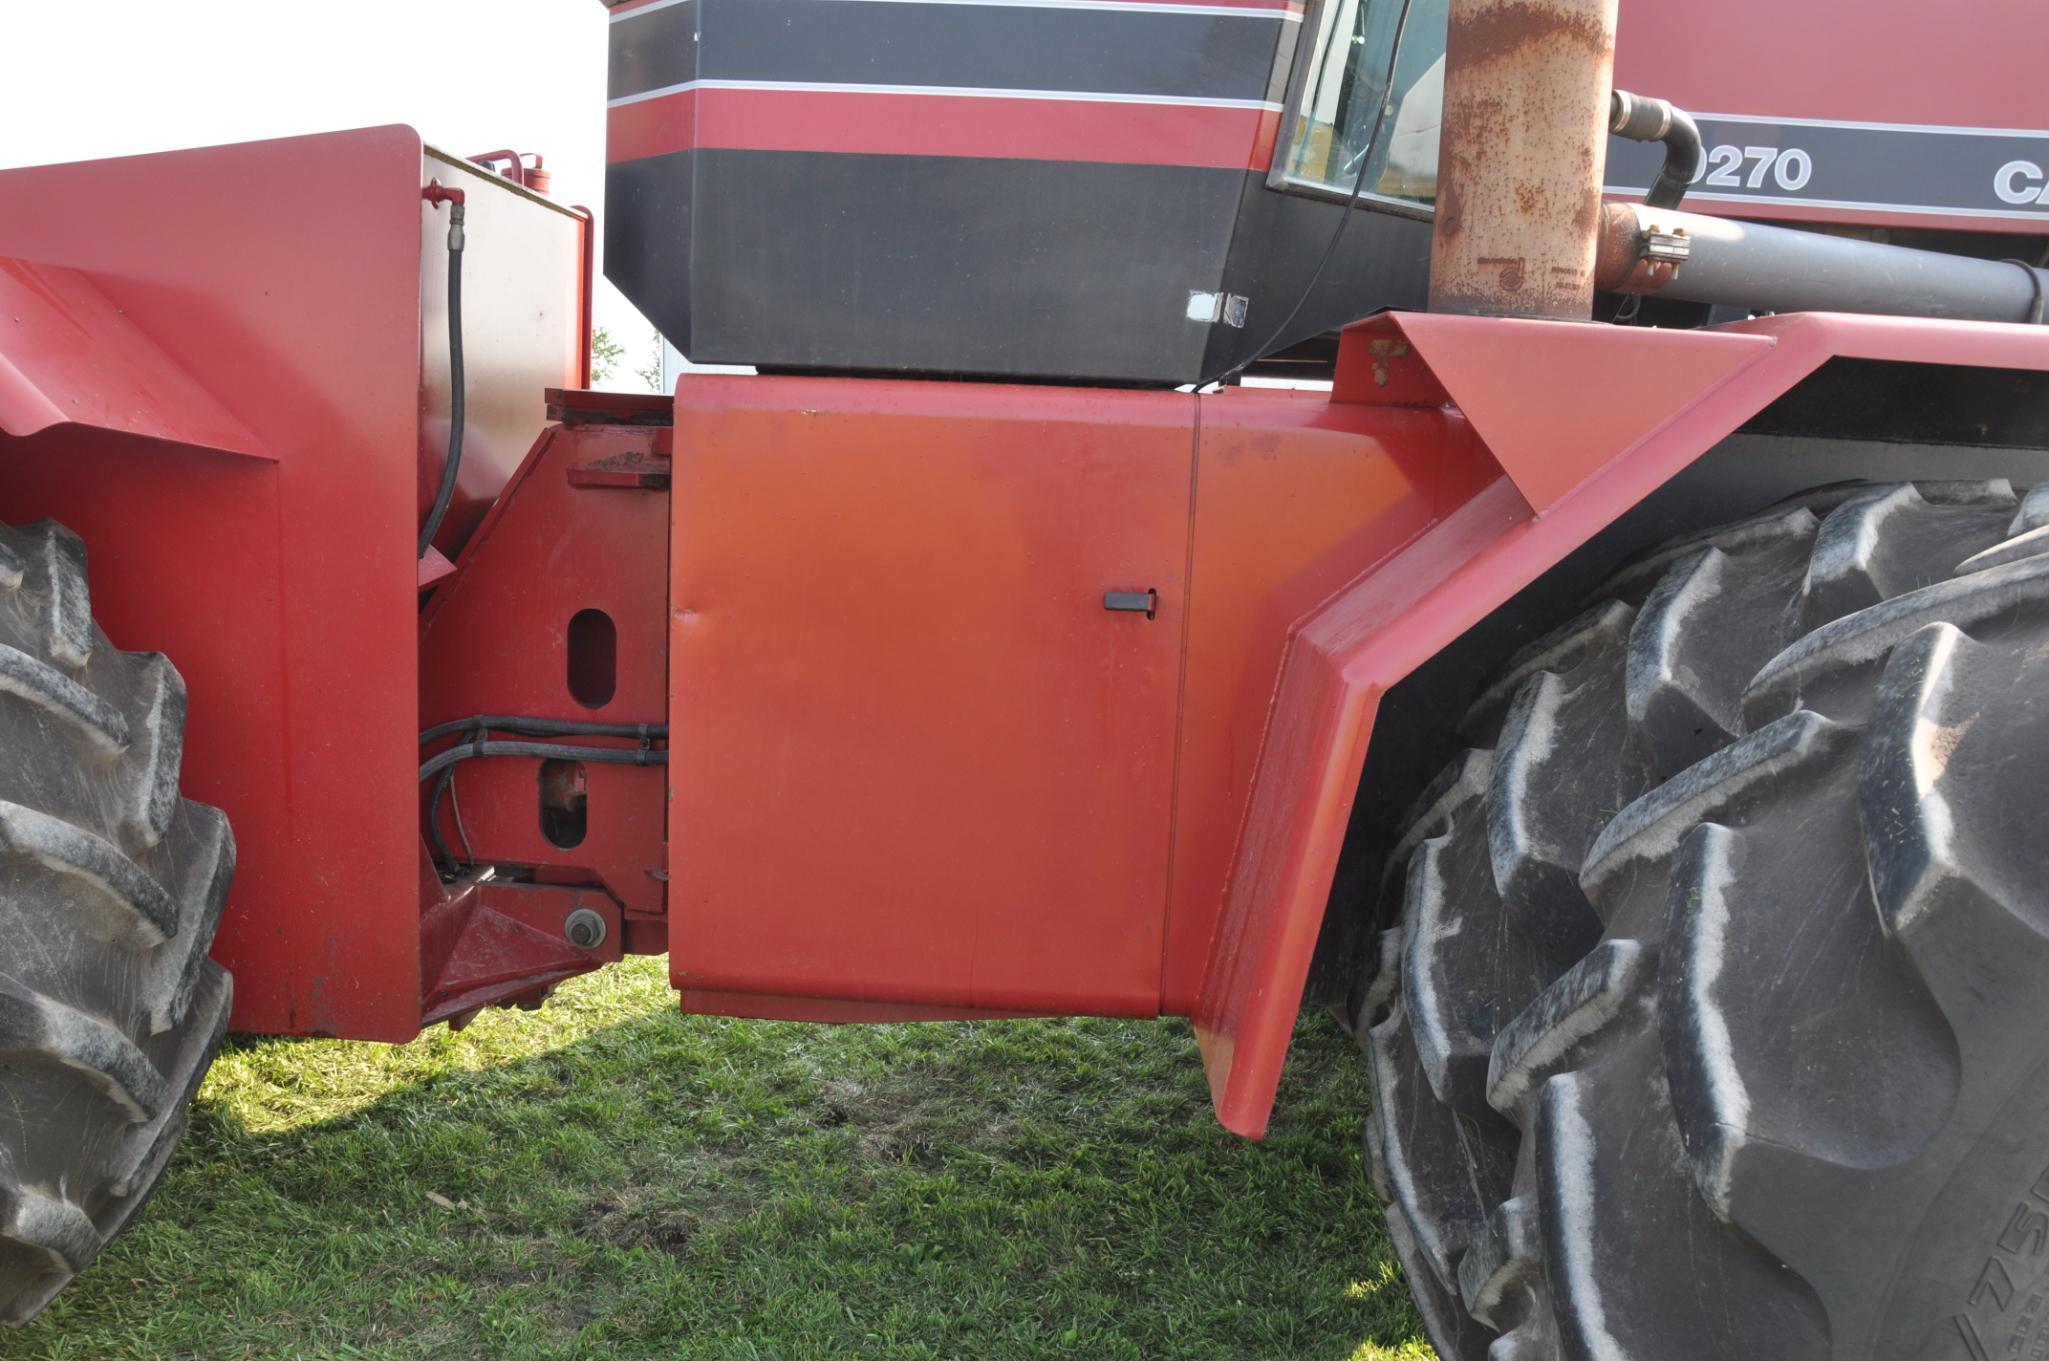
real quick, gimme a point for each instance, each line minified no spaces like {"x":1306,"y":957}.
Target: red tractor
{"x":1618,"y":691}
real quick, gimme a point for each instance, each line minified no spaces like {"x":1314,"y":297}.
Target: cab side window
{"x":1371,"y":99}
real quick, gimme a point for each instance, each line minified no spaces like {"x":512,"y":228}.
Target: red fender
{"x":224,"y":369}
{"x":1583,"y":421}
{"x":72,"y":357}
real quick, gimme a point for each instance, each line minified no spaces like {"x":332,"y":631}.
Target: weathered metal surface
{"x":633,"y":470}
{"x":1520,"y":165}
{"x":582,"y":406}
{"x":1620,"y":264}
{"x":929,"y":774}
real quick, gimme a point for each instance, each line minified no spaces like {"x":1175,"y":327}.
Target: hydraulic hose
{"x":1655,"y":120}
{"x":546,"y":751}
{"x":544,"y":727}
{"x":444,"y":857}
{"x":451,"y":462}
{"x":476,"y":725}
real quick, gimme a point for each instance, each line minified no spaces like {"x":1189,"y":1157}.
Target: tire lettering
{"x":2024,"y":1239}
{"x":1995,"y":1283}
{"x":2026,"y":1233}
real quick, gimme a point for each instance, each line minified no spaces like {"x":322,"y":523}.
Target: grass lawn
{"x":607,"y":1178}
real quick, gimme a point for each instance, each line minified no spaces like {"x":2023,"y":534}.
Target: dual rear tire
{"x":1713,"y":1026}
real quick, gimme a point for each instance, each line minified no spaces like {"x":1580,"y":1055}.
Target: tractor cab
{"x":1129,"y":194}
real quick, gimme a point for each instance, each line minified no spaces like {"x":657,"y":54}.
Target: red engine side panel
{"x":917,"y":761}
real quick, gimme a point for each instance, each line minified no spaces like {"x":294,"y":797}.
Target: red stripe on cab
{"x":943,"y":125}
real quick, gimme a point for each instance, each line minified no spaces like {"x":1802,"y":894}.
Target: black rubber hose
{"x":451,"y":463}
{"x":544,"y":727}
{"x":444,"y":858}
{"x":546,"y":751}
{"x":479,"y":724}
{"x":1656,"y":120}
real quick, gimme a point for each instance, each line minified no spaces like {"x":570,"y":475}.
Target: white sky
{"x":91,"y":78}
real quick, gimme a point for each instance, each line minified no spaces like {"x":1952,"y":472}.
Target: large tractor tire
{"x":111,"y":886}
{"x":1717,"y":1021}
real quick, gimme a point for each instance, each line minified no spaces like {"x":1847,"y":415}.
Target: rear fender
{"x":1583,"y":423}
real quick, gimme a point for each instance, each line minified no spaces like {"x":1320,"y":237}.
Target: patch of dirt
{"x":913,"y":1115}
{"x":666,"y":1212}
{"x":626,"y":1217}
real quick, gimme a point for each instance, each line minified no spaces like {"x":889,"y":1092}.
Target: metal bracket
{"x":1226,"y":308}
{"x":1660,"y":247}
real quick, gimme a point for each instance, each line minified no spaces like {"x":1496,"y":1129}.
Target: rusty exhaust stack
{"x":1522,"y":156}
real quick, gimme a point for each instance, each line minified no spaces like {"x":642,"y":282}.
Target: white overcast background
{"x":81,"y":79}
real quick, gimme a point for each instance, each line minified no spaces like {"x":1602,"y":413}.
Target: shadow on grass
{"x":610,"y":1179}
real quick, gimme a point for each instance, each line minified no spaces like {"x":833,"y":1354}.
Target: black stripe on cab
{"x":653,"y":51}
{"x":882,"y":42}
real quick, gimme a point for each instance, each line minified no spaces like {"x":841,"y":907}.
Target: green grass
{"x":607,"y":1178}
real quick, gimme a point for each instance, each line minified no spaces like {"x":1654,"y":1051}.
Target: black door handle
{"x":1146,"y":603}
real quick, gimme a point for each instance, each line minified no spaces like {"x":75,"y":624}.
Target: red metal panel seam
{"x":669,"y":666}
{"x":1181,"y":689}
{"x":586,"y":288}
{"x":1238,"y":841}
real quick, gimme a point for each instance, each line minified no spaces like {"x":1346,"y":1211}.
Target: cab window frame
{"x":1296,"y":121}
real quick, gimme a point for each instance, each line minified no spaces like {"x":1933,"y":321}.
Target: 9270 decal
{"x":1874,"y":167}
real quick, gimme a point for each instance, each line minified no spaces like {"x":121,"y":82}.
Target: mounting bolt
{"x":584,"y":929}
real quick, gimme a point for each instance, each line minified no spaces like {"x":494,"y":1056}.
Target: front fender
{"x":1582,"y":422}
